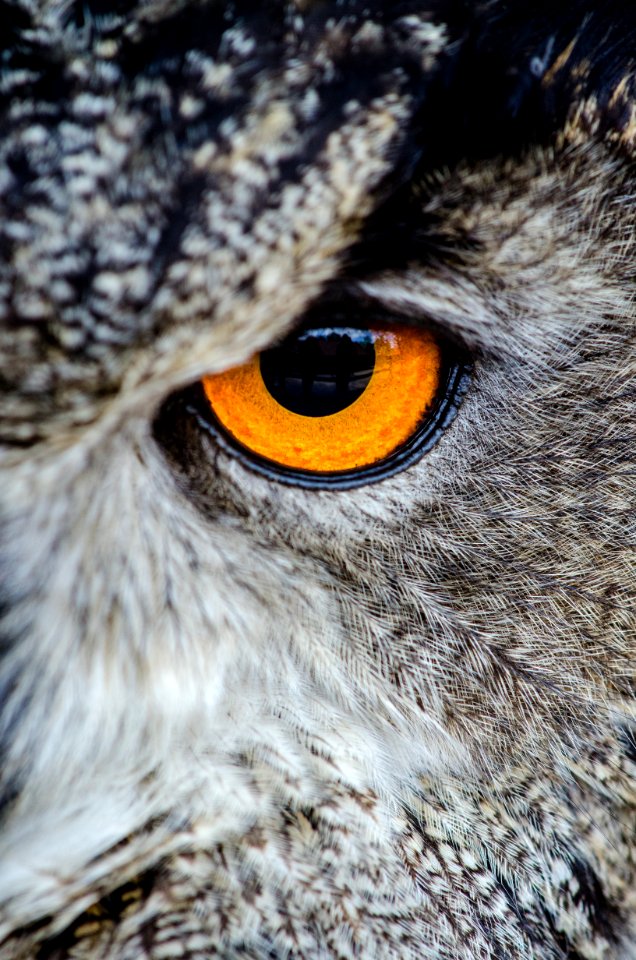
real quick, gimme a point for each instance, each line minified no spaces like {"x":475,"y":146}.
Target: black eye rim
{"x":456,"y":379}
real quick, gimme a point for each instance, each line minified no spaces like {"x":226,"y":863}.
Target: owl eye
{"x":336,"y":405}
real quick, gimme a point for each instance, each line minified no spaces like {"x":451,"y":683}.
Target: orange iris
{"x":385,"y":380}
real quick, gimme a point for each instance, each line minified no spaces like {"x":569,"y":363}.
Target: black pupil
{"x":319,"y":372}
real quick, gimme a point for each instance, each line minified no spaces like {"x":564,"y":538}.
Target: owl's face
{"x":318,"y":528}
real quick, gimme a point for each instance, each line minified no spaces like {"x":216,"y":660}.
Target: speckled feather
{"x":243,"y":719}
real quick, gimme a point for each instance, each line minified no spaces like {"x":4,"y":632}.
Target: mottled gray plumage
{"x":245,"y":719}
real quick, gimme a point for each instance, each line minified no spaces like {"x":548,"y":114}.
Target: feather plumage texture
{"x":242,"y":719}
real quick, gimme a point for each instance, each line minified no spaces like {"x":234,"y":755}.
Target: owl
{"x":317,"y":472}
